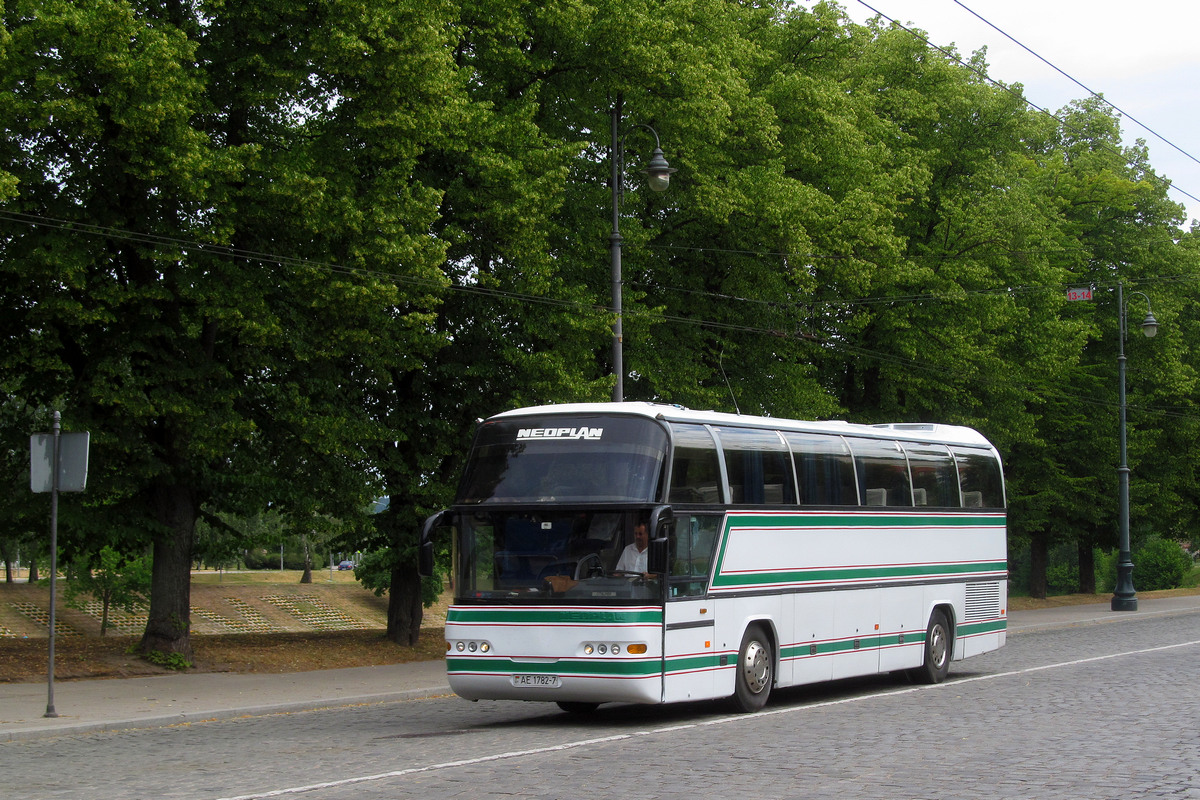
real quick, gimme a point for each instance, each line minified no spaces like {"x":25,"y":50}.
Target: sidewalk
{"x":104,"y":705}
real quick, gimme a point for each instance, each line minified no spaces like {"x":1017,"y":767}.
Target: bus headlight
{"x":613,"y":649}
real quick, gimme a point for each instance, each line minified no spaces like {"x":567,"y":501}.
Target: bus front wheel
{"x":937,"y":650}
{"x":755,"y":671}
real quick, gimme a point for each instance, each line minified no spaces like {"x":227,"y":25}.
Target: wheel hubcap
{"x":937,"y":646}
{"x":756,"y":667}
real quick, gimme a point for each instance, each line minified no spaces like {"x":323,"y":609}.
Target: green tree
{"x":24,"y":516}
{"x":225,"y":372}
{"x":1161,"y":564}
{"x":1119,"y":227}
{"x":112,"y":579}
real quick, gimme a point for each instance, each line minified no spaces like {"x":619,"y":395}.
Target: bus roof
{"x":907,"y":431}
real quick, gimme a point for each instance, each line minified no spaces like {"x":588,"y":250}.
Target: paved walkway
{"x":162,"y":700}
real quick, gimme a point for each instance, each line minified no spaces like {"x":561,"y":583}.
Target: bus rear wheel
{"x":937,"y":650}
{"x":755,"y":671}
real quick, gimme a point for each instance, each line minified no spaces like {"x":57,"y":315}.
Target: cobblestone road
{"x":1095,"y":712}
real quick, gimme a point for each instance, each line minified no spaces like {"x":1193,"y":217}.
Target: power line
{"x":982,"y":74}
{"x":1054,"y":67}
{"x":650,"y":316}
{"x":244,"y":254}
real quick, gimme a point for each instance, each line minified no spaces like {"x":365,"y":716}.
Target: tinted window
{"x":692,"y":545}
{"x":933,"y":477}
{"x":758,"y":467}
{"x":980,"y":478}
{"x":695,"y":472}
{"x":882,"y":472}
{"x":824,"y":470}
{"x":532,"y":555}
{"x":564,"y":459}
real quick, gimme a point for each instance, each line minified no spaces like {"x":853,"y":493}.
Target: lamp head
{"x":658,"y":171}
{"x":1149,"y":326}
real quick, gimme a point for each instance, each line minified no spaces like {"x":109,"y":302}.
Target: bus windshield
{"x":565,"y":460}
{"x":552,"y":554}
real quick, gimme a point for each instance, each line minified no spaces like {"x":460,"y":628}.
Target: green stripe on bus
{"x":975,"y":628}
{"x":890,"y":520}
{"x":594,"y":668}
{"x":844,"y":646}
{"x":692,"y":663}
{"x":854,"y":574}
{"x":860,"y":520}
{"x":549,"y":616}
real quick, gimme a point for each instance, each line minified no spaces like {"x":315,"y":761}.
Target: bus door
{"x":689,"y":631}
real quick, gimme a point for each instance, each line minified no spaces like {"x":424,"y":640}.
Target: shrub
{"x":1160,"y":564}
{"x":115,"y":580}
{"x":175,"y":661}
{"x":1062,"y":578}
{"x":1106,"y":571}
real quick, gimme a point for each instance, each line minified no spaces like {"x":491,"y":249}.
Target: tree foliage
{"x":281,"y":257}
{"x":110,"y":578}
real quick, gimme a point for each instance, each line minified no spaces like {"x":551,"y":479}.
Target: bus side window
{"x":758,"y":467}
{"x":933,"y":479}
{"x":691,"y":554}
{"x":882,"y":472}
{"x":979,"y":478}
{"x":824,"y":469}
{"x":695,"y":472}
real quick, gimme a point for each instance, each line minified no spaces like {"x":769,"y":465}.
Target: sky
{"x":1143,"y":57}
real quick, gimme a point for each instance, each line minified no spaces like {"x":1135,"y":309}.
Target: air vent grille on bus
{"x":983,"y":601}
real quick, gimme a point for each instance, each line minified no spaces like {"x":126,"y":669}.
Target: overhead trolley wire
{"x":579,"y":306}
{"x":983,"y":74}
{"x":1071,"y":78}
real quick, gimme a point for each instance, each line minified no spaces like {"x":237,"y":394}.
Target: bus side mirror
{"x":662,"y":521}
{"x":425,"y":549}
{"x":662,"y":524}
{"x":425,"y":560}
{"x":658,"y":560}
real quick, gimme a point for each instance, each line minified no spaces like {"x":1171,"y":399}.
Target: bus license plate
{"x":545,"y":681}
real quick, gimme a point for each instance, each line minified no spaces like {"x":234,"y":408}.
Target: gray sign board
{"x":72,"y":462}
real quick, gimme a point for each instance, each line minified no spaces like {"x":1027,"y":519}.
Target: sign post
{"x":57,"y":463}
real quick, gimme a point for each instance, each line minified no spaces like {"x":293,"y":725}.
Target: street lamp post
{"x":658,"y":174}
{"x":1124,"y":596}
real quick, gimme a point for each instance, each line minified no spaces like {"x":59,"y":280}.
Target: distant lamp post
{"x":1124,"y":596}
{"x":658,"y":175}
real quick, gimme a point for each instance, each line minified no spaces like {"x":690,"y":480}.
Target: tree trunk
{"x":1039,"y":554}
{"x":168,"y":629}
{"x":404,"y":605}
{"x":1087,"y":567}
{"x":307,"y":576}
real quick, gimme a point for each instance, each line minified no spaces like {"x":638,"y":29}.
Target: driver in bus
{"x":634,"y":556}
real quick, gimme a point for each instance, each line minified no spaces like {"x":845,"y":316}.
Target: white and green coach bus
{"x":780,"y":553}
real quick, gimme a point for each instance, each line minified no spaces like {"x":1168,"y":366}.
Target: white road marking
{"x":694,"y":725}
